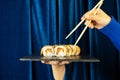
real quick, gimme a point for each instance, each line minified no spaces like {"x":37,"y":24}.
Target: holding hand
{"x":98,"y":20}
{"x":58,"y":68}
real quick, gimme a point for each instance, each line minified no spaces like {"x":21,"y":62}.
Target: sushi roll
{"x":78,"y":50}
{"x":60,"y":50}
{"x":74,"y":50}
{"x":69,"y":50}
{"x":48,"y":51}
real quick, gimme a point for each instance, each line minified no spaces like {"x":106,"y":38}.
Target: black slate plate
{"x":71,"y":58}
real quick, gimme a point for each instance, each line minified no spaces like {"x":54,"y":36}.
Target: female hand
{"x":58,"y":68}
{"x":98,"y":20}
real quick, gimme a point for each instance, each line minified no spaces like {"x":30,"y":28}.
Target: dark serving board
{"x":71,"y":58}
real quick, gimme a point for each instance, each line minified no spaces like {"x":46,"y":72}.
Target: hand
{"x":56,"y":63}
{"x":98,"y":20}
{"x":58,"y":68}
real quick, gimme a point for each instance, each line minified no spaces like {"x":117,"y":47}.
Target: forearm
{"x":58,"y":72}
{"x":112,"y":30}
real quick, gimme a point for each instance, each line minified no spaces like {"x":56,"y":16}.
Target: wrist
{"x":58,"y":72}
{"x":106,"y":21}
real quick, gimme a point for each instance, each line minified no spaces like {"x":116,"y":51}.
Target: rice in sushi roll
{"x":60,"y":50}
{"x":48,"y":51}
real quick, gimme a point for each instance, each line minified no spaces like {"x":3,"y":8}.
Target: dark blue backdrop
{"x":28,"y":25}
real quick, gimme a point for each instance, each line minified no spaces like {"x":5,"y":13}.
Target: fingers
{"x":50,"y":62}
{"x":90,"y":24}
{"x":55,"y":62}
{"x":92,"y":16}
{"x":42,"y":61}
{"x":86,"y":15}
{"x":64,"y":62}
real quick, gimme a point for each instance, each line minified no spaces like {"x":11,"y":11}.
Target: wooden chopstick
{"x":101,"y":2}
{"x":75,"y":28}
{"x":83,"y":20}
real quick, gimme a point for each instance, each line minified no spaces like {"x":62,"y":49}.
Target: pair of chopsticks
{"x":97,"y":7}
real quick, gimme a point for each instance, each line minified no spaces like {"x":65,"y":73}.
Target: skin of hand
{"x":98,"y":20}
{"x":58,"y":68}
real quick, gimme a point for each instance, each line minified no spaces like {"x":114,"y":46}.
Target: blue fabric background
{"x":27,"y":25}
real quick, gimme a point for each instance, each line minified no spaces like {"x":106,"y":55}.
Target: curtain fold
{"x":15,"y":39}
{"x":27,"y":25}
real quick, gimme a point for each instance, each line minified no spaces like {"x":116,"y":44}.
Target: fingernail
{"x":42,"y":61}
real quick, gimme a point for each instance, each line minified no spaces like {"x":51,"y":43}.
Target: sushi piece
{"x":69,"y":50}
{"x":74,"y":50}
{"x":48,"y":51}
{"x":60,"y":50}
{"x":78,"y":50}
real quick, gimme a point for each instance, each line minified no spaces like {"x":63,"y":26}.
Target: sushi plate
{"x":70,"y":58}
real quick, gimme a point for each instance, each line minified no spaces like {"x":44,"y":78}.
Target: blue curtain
{"x":27,"y":25}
